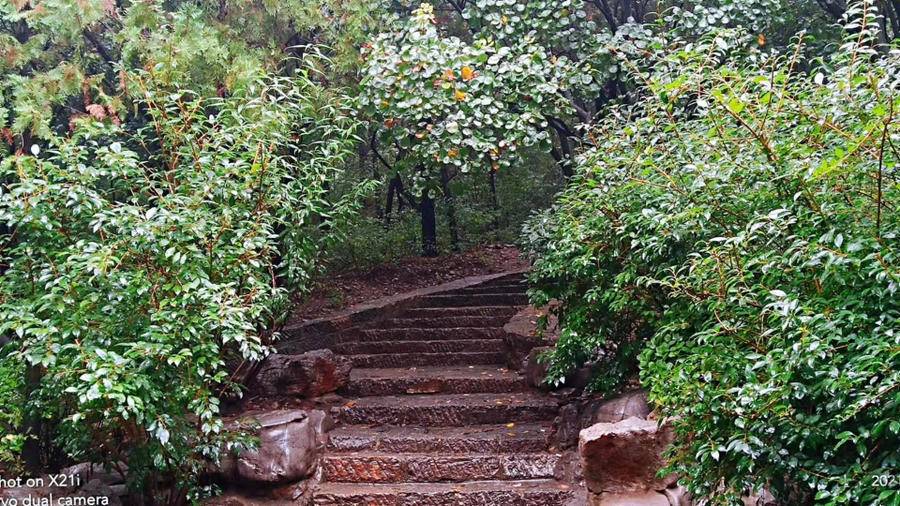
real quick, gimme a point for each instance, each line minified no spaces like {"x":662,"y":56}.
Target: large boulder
{"x":290,"y":445}
{"x":535,"y":371}
{"x":88,"y":471}
{"x":627,"y":405}
{"x":309,"y":374}
{"x":523,"y":333}
{"x":516,"y":348}
{"x":624,"y":457}
{"x":582,"y":413}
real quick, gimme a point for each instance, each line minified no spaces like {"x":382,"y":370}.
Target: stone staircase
{"x":435,"y":418}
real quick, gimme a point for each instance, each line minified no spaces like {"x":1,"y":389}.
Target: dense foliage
{"x":167,"y":190}
{"x":741,"y":221}
{"x":175,"y":172}
{"x":143,"y":261}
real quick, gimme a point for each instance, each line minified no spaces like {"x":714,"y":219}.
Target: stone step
{"x":483,"y":493}
{"x":435,"y":312}
{"x":366,"y":467}
{"x":433,"y":380}
{"x":423,"y":334}
{"x":384,"y":361}
{"x":517,"y":288}
{"x":481,"y":299}
{"x":450,"y":410}
{"x":483,"y":439}
{"x":443,"y":322}
{"x":441,"y":346}
{"x":505,"y":280}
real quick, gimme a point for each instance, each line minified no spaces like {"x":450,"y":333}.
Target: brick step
{"x":376,"y":467}
{"x":451,"y":410}
{"x":385,"y":361}
{"x":433,"y":312}
{"x":443,"y":322}
{"x":481,"y":299}
{"x":433,"y":380}
{"x":483,"y":439}
{"x":422,"y":334}
{"x":483,"y":493}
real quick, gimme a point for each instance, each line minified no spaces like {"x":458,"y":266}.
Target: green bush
{"x":11,"y":376}
{"x":739,"y":224}
{"x":144,"y":262}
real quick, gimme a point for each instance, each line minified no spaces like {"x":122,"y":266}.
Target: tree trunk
{"x":32,"y":450}
{"x":495,"y":202}
{"x":389,"y":205}
{"x":429,"y":226}
{"x":449,"y":200}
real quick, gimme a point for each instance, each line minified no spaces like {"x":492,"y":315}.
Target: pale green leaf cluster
{"x":446,"y":101}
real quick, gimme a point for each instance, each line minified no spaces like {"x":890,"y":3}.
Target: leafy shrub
{"x":144,"y":262}
{"x":743,"y":214}
{"x":369,"y":242}
{"x":11,"y":375}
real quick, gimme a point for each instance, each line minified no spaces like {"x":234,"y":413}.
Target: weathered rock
{"x":625,"y":456}
{"x":88,"y":471}
{"x":677,"y":495}
{"x":98,"y":490}
{"x":523,"y":333}
{"x":517,"y":347}
{"x":627,"y":405}
{"x":567,"y":426}
{"x":763,"y":498}
{"x":290,"y":444}
{"x":650,"y":498}
{"x":310,"y":374}
{"x":22,"y":494}
{"x":581,"y":414}
{"x":535,"y":372}
{"x":294,"y":494}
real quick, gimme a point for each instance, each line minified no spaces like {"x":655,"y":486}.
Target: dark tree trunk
{"x":393,"y":188}
{"x":32,"y":451}
{"x":495,"y":203}
{"x":449,"y":200}
{"x":564,"y":158}
{"x":429,"y":225}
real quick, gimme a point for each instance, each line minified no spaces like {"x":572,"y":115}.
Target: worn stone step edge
{"x":422,"y":334}
{"x":507,"y":438}
{"x":382,"y":361}
{"x":438,"y":346}
{"x":485,"y":299}
{"x":404,"y":382}
{"x":484,"y":493}
{"x":419,"y":467}
{"x":443,"y":322}
{"x":448,"y":410}
{"x":431,"y":312}
{"x":492,"y":289}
